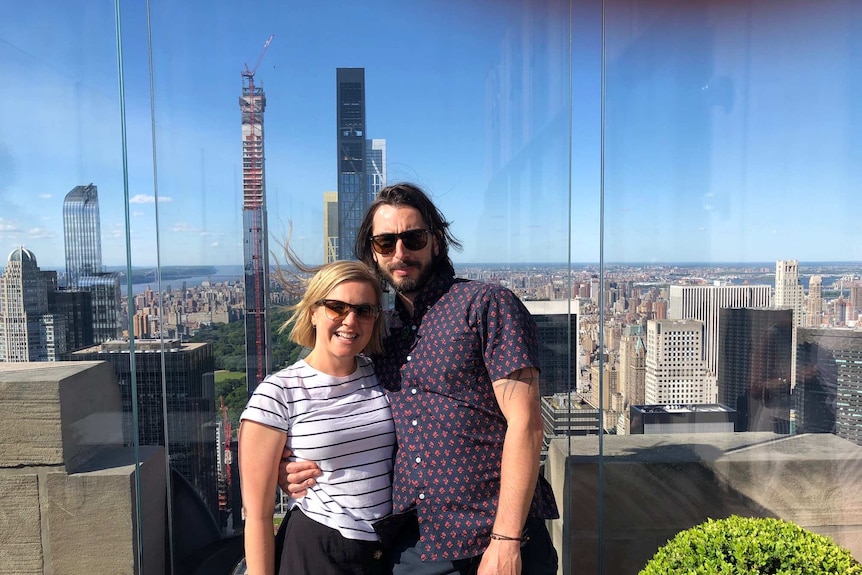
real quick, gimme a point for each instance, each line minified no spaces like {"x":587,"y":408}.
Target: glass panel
{"x":667,"y":185}
{"x":727,"y":358}
{"x":63,"y":152}
{"x":468,"y":102}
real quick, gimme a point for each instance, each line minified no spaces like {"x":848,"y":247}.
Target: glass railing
{"x":668,"y":186}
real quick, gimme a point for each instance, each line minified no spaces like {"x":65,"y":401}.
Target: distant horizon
{"x":767,"y":263}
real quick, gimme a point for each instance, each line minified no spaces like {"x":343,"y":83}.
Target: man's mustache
{"x":403,"y":265}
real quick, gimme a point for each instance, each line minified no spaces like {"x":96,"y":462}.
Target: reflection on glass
{"x":719,"y":138}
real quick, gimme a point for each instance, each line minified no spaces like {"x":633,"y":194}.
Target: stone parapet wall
{"x":67,"y":486}
{"x":654,"y":486}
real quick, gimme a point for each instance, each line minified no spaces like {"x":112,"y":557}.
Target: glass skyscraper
{"x":83,"y":242}
{"x":353,"y":196}
{"x":82,"y":234}
{"x":754,"y":353}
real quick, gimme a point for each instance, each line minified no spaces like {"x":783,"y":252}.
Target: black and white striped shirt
{"x":345,"y":425}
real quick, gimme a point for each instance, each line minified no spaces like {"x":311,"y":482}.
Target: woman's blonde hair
{"x":324,"y":280}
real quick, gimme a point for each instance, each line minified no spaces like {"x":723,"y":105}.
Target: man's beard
{"x":409,"y":284}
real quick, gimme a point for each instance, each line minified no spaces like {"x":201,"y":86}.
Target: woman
{"x":327,"y":407}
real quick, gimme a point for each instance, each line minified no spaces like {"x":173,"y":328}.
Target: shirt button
{"x":413,"y":327}
{"x":414,"y":422}
{"x":421,"y":496}
{"x":414,"y":391}
{"x":418,"y":460}
{"x":409,"y":358}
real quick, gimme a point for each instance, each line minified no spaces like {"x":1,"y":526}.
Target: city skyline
{"x":699,"y":162}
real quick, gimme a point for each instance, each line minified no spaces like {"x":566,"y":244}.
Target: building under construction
{"x":252,"y":103}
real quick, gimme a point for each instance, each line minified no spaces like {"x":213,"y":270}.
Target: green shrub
{"x":751,"y":546}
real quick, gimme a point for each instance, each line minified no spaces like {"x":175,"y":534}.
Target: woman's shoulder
{"x":363,"y":362}
{"x":291,"y":373}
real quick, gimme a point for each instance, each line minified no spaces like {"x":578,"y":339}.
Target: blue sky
{"x":732,"y":128}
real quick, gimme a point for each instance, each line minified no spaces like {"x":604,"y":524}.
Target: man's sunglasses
{"x":413,"y":240}
{"x":336,"y":310}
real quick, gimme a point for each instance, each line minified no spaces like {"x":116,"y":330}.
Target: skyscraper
{"x":633,"y":364}
{"x":704,"y":302}
{"x":789,"y":293}
{"x":674,"y":366}
{"x":82,"y":234}
{"x":814,"y":316}
{"x":828,"y":392}
{"x":188,"y":393}
{"x":83,"y":244}
{"x":754,"y":366}
{"x":105,"y":291}
{"x":353,"y":195}
{"x":252,"y":105}
{"x":77,"y":307}
{"x":330,"y":227}
{"x":28,"y":332}
{"x":855,"y":300}
{"x":557,"y":325}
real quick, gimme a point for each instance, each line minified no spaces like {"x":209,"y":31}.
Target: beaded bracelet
{"x":499,"y":537}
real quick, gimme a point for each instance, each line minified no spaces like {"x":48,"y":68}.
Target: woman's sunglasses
{"x":337,"y":310}
{"x":413,"y":240}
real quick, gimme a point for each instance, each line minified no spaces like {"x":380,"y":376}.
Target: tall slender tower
{"x":353,"y":196}
{"x":814,"y":316}
{"x":82,"y":234}
{"x":789,"y":293}
{"x":252,"y":104}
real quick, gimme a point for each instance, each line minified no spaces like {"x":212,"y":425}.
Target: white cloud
{"x":114,"y":232}
{"x":8,"y":227}
{"x":148,"y":199}
{"x":138,"y":214}
{"x":40,"y":234}
{"x":183,"y":228}
{"x":45,"y":196}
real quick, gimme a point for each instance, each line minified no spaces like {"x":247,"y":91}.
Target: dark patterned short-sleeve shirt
{"x":438,"y":370}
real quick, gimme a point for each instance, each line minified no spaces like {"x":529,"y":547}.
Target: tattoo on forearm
{"x":528,"y":376}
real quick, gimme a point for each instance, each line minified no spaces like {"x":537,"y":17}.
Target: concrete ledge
{"x":654,"y":486}
{"x":68,"y":487}
{"x":95,"y":511}
{"x":58,"y":414}
{"x":20,"y":525}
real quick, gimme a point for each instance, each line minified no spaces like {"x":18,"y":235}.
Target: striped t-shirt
{"x":345,"y":425}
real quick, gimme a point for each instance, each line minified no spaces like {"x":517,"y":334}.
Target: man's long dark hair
{"x":404,"y":194}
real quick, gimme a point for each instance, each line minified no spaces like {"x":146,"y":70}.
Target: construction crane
{"x":250,"y":73}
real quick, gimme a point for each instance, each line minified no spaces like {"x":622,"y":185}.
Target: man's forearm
{"x":519,"y":471}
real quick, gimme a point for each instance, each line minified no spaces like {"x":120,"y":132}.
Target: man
{"x":461,"y":372}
